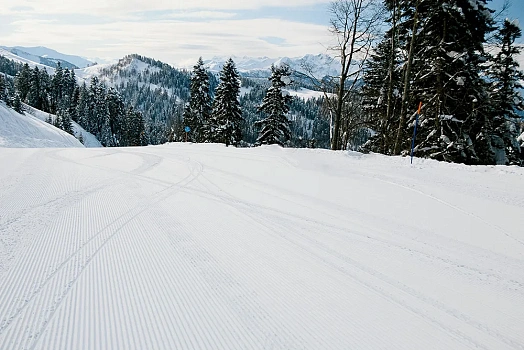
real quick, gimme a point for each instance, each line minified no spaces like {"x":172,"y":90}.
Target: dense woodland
{"x":436,"y":53}
{"x":452,"y":57}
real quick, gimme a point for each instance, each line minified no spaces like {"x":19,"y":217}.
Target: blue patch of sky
{"x":515,"y":11}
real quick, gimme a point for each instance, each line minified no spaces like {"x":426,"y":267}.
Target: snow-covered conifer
{"x":197,"y":113}
{"x":3,"y":94}
{"x":23,"y":82}
{"x":506,"y":98}
{"x":274,"y":129}
{"x":447,"y":78}
{"x":17,"y":103}
{"x":34,"y":96}
{"x":226,"y":115}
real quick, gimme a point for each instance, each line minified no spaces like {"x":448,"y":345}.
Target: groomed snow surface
{"x":186,"y":246}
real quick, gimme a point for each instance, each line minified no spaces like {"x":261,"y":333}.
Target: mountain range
{"x":260,"y":67}
{"x":256,"y":67}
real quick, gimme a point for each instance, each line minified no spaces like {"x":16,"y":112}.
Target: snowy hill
{"x":187,"y":246}
{"x":9,"y":55}
{"x":88,"y":140}
{"x":24,"y":130}
{"x":48,"y":56}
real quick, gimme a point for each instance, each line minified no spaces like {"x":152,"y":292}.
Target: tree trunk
{"x":389,"y":110}
{"x":407,"y":81}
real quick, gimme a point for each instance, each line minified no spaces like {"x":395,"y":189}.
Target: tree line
{"x":219,"y":119}
{"x":98,"y":109}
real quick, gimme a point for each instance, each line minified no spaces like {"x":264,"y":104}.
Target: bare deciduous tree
{"x":353,"y":24}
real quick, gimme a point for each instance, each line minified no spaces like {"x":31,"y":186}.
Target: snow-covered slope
{"x":305,"y":93}
{"x":187,"y":246}
{"x":9,"y":55}
{"x":36,"y":53}
{"x":24,"y":130}
{"x":88,"y":139}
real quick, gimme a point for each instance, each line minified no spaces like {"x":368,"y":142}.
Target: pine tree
{"x":447,"y":78}
{"x":23,"y":82}
{"x":275,"y":128}
{"x":226,"y":115}
{"x":116,"y":111}
{"x":134,"y":130}
{"x":45,"y":90}
{"x":56,"y":89}
{"x":81,"y":106}
{"x":34,"y":96}
{"x":385,"y":77}
{"x":17,"y":103}
{"x":197,"y":113}
{"x":64,"y":122}
{"x":74,"y":103}
{"x":381,"y":95}
{"x":3,"y":94}
{"x":505,"y":79}
{"x":9,"y":95}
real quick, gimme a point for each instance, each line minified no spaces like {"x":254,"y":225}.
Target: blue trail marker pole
{"x":415,"y":131}
{"x":187,"y":129}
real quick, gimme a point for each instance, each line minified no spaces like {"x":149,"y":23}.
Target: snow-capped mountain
{"x":259,"y":67}
{"x":140,"y":71}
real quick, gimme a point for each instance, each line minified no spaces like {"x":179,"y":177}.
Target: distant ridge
{"x":48,"y":57}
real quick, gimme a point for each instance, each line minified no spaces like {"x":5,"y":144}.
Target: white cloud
{"x":103,"y":7}
{"x":202,"y":15}
{"x":173,"y":41}
{"x":173,"y":31}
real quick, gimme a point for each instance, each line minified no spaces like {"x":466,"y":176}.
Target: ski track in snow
{"x":320,"y":247}
{"x":205,"y":247}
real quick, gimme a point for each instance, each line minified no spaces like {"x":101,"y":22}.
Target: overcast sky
{"x":175,"y":31}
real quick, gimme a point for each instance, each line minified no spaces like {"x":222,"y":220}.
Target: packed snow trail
{"x":187,"y":246}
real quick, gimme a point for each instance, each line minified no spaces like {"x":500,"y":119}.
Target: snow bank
{"x":306,"y":94}
{"x":89,"y":140}
{"x":25,"y":130}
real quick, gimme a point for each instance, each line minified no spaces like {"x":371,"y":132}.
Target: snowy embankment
{"x":89,"y":140}
{"x":187,"y":246}
{"x":24,"y":130}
